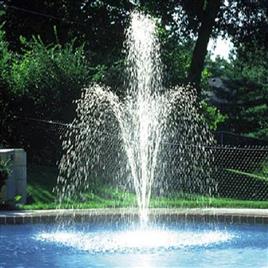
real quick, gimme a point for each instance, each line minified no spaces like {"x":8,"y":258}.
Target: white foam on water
{"x":134,"y":240}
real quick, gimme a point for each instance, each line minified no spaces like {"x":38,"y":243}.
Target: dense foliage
{"x":47,"y":78}
{"x":50,"y":50}
{"x":243,"y":94}
{"x":41,"y":82}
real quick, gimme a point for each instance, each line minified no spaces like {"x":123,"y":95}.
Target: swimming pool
{"x":173,"y":244}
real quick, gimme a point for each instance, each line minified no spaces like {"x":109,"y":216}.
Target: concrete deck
{"x":226,"y":215}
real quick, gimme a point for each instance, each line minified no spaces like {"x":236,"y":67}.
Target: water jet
{"x":144,"y":141}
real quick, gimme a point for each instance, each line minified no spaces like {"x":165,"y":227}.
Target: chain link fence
{"x":241,"y":172}
{"x":238,"y":172}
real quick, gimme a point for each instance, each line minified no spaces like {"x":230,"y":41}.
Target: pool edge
{"x":226,"y":215}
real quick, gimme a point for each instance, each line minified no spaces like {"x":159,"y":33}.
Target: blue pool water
{"x":116,"y":245}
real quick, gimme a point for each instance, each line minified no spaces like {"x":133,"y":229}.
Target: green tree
{"x":101,"y":24}
{"x":243,"y":96}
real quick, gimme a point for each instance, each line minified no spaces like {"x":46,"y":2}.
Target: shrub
{"x":212,"y":115}
{"x":46,"y":79}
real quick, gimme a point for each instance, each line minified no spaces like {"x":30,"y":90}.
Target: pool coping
{"x":226,"y":215}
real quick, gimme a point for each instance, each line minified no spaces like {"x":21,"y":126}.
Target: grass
{"x":250,"y":175}
{"x":97,"y":201}
{"x":41,"y":181}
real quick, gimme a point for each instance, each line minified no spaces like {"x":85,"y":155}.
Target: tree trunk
{"x":200,"y":50}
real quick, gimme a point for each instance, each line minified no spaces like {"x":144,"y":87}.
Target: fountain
{"x":152,"y":140}
{"x":137,"y":130}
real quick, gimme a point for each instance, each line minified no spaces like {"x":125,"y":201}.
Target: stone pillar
{"x":17,"y":180}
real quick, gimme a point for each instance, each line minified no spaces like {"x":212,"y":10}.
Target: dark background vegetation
{"x":50,"y":50}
